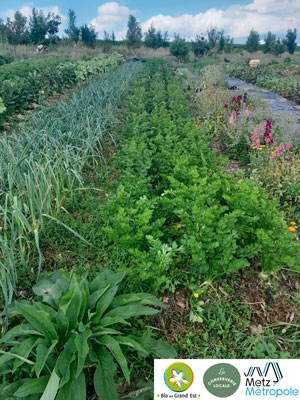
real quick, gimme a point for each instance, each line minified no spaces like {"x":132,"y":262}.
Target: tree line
{"x":43,"y":28}
{"x":272,"y":44}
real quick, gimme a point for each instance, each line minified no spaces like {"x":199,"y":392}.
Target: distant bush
{"x":179,"y":48}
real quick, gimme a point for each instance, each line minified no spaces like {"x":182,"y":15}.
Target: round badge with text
{"x":222,"y":380}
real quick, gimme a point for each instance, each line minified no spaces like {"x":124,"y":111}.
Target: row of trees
{"x":272,"y":44}
{"x":22,"y":30}
{"x":39,"y":28}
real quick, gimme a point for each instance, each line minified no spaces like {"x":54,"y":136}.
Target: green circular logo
{"x":179,"y":377}
{"x":222,"y":380}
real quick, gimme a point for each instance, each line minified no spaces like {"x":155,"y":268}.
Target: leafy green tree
{"x":270,"y":43}
{"x":41,"y":25}
{"x":279,"y":47}
{"x":153,"y":38}
{"x":107,"y":42}
{"x":134,"y":33}
{"x":38,"y":26}
{"x":290,"y":40}
{"x":88,"y":35}
{"x":200,"y":46}
{"x":53,"y":22}
{"x":113,"y":37}
{"x":224,"y":42}
{"x":72,"y":31}
{"x":179,"y":48}
{"x":3,"y":31}
{"x":166,"y":39}
{"x":213,"y":37}
{"x":252,"y":43}
{"x":16,"y":30}
{"x":273,"y":45}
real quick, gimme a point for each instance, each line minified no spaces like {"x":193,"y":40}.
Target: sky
{"x":188,"y":18}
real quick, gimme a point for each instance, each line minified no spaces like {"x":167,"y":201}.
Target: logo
{"x":222,"y":380}
{"x":270,"y":373}
{"x":179,"y":377}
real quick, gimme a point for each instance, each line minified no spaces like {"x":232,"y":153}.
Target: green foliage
{"x":179,"y":48}
{"x":42,"y":25}
{"x":273,"y":45}
{"x":290,"y":40}
{"x":176,"y":216}
{"x":154,"y":39}
{"x":22,"y":83}
{"x":71,"y":334}
{"x":52,"y":155}
{"x":87,"y":35}
{"x":2,"y":106}
{"x":283,"y":79}
{"x":16,"y":30}
{"x":134,"y":33}
{"x":252,"y":43}
{"x":200,"y":46}
{"x":5,"y":60}
{"x":72,"y":31}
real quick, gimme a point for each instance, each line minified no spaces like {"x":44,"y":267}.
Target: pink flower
{"x":289,"y":146}
{"x":246,"y":112}
{"x":255,"y":135}
{"x":225,"y":105}
{"x":232,"y":123}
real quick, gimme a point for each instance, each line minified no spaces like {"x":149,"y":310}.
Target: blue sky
{"x":188,"y":18}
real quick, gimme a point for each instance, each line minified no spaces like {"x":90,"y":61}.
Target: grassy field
{"x":154,"y":215}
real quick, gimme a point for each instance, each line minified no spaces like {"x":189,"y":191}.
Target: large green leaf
{"x":63,"y":364}
{"x":71,"y":303}
{"x":106,"y":278}
{"x":19,"y":330}
{"x":94,"y":297}
{"x":23,"y":350}
{"x":51,"y":388}
{"x":104,"y":331}
{"x":116,"y":351}
{"x":131,"y":310}
{"x":78,"y":388}
{"x":157,"y":348}
{"x":62,"y":322}
{"x":127,"y":341}
{"x":9,"y":356}
{"x":144,"y":299}
{"x":39,"y":320}
{"x":32,"y":386}
{"x":103,"y":304}
{"x":82,"y":347}
{"x":42,"y":354}
{"x":107,"y":321}
{"x":104,"y":375}
{"x":51,"y":290}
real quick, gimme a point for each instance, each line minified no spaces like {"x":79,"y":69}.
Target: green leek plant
{"x":38,"y":167}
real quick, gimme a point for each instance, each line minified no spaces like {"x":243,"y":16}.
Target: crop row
{"x":39,"y":166}
{"x":176,"y":216}
{"x":283,"y":83}
{"x":27,"y":82}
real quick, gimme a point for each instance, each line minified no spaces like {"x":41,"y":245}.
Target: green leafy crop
{"x":73,"y":334}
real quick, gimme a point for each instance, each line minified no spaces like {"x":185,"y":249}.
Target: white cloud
{"x":26,"y":10}
{"x":112,"y":17}
{"x":237,"y":20}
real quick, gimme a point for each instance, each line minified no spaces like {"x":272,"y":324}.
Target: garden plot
{"x":278,"y":104}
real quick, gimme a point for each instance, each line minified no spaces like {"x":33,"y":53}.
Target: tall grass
{"x":38,"y":166}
